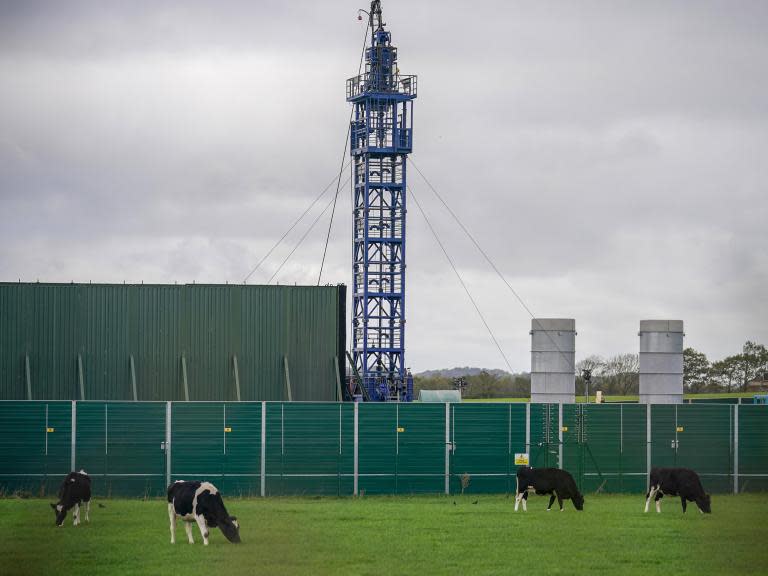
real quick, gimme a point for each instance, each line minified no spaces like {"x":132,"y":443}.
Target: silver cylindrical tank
{"x":661,"y":361}
{"x":553,"y":351}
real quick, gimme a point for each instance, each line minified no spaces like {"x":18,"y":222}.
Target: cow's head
{"x":231,"y":529}
{"x":705,"y":504}
{"x":578,"y":501}
{"x":60,"y":511}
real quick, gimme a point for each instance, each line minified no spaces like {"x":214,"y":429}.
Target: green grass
{"x":397,"y":535}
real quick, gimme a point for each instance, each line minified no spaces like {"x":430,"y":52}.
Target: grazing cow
{"x":74,"y":490}
{"x":553,"y":481}
{"x":682,"y":482}
{"x":200,"y":502}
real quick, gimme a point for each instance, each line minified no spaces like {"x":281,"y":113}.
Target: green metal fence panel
{"x":347,"y":461}
{"x":704,"y":435}
{"x":571,"y":432}
{"x":275,"y":448}
{"x":197,"y":441}
{"x":600,"y":458}
{"x":377,"y":448}
{"x":309,"y":447}
{"x":312,"y":446}
{"x":753,"y":448}
{"x":634,"y":448}
{"x":111,"y":342}
{"x":35,"y":444}
{"x":663,"y":435}
{"x":420,"y":448}
{"x":242,"y":449}
{"x":483,"y":450}
{"x":135,"y":449}
{"x":545,"y":443}
{"x":91,"y":444}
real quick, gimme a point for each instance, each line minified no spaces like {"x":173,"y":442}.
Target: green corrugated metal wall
{"x":309,"y":448}
{"x":59,"y":326}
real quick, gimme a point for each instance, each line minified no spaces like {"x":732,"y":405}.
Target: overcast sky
{"x":611,"y":157}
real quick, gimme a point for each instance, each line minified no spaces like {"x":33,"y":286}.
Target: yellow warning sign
{"x":49,"y":429}
{"x":521,"y":459}
{"x":679,"y":428}
{"x":400,"y":429}
{"x":564,"y":429}
{"x":227,"y":429}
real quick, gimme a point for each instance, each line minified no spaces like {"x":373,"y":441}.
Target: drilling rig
{"x":381,"y":137}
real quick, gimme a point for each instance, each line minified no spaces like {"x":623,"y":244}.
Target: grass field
{"x":397,"y":535}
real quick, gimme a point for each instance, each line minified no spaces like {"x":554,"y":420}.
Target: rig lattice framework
{"x":381,"y":136}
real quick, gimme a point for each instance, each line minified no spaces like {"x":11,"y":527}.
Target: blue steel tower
{"x":381,"y":137}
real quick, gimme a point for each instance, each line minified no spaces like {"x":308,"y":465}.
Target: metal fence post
{"x":355,"y":483}
{"x":647,"y":444}
{"x":74,"y":436}
{"x":736,"y":449}
{"x":167,"y":443}
{"x":263,"y":448}
{"x":448,"y":448}
{"x":560,"y":435}
{"x":527,"y":431}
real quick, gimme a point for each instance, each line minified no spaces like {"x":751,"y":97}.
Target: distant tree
{"x":696,"y":370}
{"x":621,"y":375}
{"x":752,"y":362}
{"x":725,"y":373}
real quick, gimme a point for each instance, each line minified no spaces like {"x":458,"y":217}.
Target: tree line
{"x":617,"y":375}
{"x":731,"y":374}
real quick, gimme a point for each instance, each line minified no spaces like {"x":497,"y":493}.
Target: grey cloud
{"x":608,"y":155}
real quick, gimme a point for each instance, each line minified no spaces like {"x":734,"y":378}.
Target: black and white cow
{"x":682,"y":482}
{"x":553,"y":481}
{"x":200,"y":502}
{"x":74,"y":490}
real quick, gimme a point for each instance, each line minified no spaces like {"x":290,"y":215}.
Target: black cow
{"x":200,"y":502}
{"x":682,"y":482}
{"x":74,"y":490}
{"x":558,"y":483}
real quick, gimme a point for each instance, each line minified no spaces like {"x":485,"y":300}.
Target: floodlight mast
{"x":381,"y":137}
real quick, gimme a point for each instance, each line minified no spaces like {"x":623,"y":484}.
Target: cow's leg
{"x":203,"y":527}
{"x":172,"y":518}
{"x":525,"y":501}
{"x":88,"y":511}
{"x":76,"y":515}
{"x":685,"y":504}
{"x":551,"y":500}
{"x":559,"y":502}
{"x":188,"y":528}
{"x":651,"y":494}
{"x":518,"y":497}
{"x":659,"y":496}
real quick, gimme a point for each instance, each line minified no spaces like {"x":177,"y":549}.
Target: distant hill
{"x":460,"y":371}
